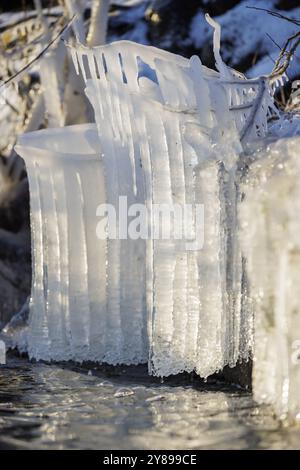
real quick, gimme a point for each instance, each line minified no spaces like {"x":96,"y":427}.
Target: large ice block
{"x":168,"y":136}
{"x":72,"y":311}
{"x":270,"y":232}
{"x":173,"y":126}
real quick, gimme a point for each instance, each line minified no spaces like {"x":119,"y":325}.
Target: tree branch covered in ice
{"x":276,"y":14}
{"x":288,"y":49}
{"x":253,"y":112}
{"x":286,"y":55}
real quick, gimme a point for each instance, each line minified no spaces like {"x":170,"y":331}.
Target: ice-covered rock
{"x":270,"y":233}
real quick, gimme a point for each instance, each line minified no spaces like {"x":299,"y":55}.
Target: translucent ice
{"x":270,"y":234}
{"x":72,"y":311}
{"x":169,"y":134}
{"x":172,"y":126}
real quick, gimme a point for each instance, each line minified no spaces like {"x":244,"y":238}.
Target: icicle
{"x":52,"y":260}
{"x":2,"y":353}
{"x":39,"y":340}
{"x":66,"y":296}
{"x":270,"y":234}
{"x":164,"y":260}
{"x":221,"y":67}
{"x":121,"y":158}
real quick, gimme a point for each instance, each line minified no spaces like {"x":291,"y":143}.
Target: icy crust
{"x":270,"y":237}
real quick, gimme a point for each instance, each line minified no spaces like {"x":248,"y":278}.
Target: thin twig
{"x":33,"y":16}
{"x":281,"y":67}
{"x":287,"y":52}
{"x":273,"y":41}
{"x":39,"y":56}
{"x":276,"y":14}
{"x":285,"y":46}
{"x":24,"y":50}
{"x":277,"y":45}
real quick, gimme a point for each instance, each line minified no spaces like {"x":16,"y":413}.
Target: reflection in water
{"x":48,"y":406}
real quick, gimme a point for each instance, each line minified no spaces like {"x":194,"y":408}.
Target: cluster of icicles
{"x":168,"y":131}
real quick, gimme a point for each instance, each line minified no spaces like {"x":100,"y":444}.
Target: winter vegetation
{"x":191,"y":103}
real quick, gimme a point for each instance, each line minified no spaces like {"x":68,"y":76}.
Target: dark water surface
{"x":58,"y":407}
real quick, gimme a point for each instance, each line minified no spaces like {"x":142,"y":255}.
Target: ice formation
{"x":270,"y":234}
{"x":183,"y":124}
{"x":15,"y":333}
{"x":169,"y":131}
{"x":2,"y":353}
{"x":71,"y":316}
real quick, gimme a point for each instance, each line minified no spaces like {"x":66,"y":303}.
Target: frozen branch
{"x":285,"y":56}
{"x":288,"y":50}
{"x":276,"y":14}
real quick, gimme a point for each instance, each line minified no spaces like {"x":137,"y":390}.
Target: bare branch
{"x":32,"y":16}
{"x":285,"y":56}
{"x":276,"y":14}
{"x":273,"y":41}
{"x":289,"y":48}
{"x":38,"y":57}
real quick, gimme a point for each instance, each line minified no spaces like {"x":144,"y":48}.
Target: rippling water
{"x":57,"y":407}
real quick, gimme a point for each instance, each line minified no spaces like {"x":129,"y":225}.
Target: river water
{"x":66,"y":407}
